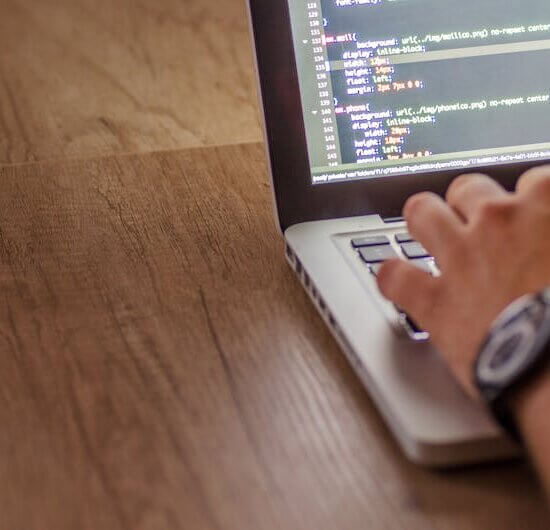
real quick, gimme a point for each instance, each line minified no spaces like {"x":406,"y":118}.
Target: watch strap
{"x":501,"y":406}
{"x":499,"y":398}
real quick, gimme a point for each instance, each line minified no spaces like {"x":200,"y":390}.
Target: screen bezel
{"x":297,"y":199}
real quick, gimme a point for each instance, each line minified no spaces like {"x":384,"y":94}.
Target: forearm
{"x":532,"y":413}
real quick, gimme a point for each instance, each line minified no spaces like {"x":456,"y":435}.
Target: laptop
{"x":367,"y":102}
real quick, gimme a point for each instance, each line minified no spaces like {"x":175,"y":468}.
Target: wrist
{"x":530,"y":404}
{"x":512,"y":366}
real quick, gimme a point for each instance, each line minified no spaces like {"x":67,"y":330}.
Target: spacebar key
{"x":377,"y":254}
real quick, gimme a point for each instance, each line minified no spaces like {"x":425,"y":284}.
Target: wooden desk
{"x":160,"y":367}
{"x":80,"y":78}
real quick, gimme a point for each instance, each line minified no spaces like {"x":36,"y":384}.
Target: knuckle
{"x":541,"y":186}
{"x":534,"y":173}
{"x":495,"y":211}
{"x":462,"y":186}
{"x":456,"y":185}
{"x":417,"y":205}
{"x":535,"y":183}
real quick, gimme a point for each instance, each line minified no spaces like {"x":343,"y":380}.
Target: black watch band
{"x":516,"y":350}
{"x":501,"y":405}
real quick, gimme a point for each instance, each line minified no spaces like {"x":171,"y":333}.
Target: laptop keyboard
{"x":414,"y":250}
{"x":379,"y":254}
{"x":374,"y":250}
{"x":371,"y":241}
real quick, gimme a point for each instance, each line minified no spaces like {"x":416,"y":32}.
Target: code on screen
{"x":406,"y":86}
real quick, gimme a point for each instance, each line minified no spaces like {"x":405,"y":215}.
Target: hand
{"x":491,"y":247}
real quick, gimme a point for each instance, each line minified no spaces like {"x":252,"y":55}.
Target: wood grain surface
{"x":80,"y":78}
{"x":160,"y":368}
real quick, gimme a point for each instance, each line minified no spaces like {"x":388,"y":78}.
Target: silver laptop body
{"x":318,"y":67}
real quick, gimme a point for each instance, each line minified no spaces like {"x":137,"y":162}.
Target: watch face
{"x":506,"y":350}
{"x":513,"y":343}
{"x":506,"y":354}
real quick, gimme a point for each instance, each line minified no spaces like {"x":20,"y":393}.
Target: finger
{"x":432,"y":222}
{"x":468,"y":192}
{"x":408,"y":287}
{"x":536,"y":180}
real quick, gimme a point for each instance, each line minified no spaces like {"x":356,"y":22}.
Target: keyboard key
{"x":404,"y":237}
{"x":414,"y":250}
{"x":423,"y":264}
{"x":375,"y":268}
{"x":370,"y":241}
{"x":377,"y":254}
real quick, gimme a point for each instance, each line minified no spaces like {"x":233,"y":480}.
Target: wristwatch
{"x":517,"y":348}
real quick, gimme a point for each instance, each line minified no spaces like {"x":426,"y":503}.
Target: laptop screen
{"x":392,"y":87}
